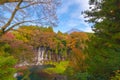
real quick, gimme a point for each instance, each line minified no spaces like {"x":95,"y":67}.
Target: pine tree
{"x":104,"y":47}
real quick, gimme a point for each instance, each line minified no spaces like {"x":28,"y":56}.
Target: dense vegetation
{"x":23,"y":45}
{"x":79,"y":55}
{"x":104,"y":47}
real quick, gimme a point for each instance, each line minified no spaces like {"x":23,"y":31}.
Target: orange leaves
{"x":78,"y":60}
{"x":80,"y":35}
{"x":59,"y":43}
{"x":77,"y":40}
{"x":78,"y":54}
{"x":77,"y":45}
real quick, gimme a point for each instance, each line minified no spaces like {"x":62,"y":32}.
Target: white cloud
{"x":76,"y":19}
{"x":64,"y":7}
{"x":87,"y":27}
{"x":73,"y":23}
{"x":82,"y":3}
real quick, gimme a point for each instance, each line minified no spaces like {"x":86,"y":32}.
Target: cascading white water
{"x":40,"y":56}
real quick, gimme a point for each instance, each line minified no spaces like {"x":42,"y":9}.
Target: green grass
{"x":58,"y":69}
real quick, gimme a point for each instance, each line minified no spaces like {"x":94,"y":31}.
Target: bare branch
{"x":11,"y":18}
{"x":11,"y":1}
{"x":38,"y":12}
{"x":34,"y":3}
{"x":10,"y":28}
{"x":8,"y":1}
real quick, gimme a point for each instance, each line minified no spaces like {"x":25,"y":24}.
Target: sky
{"x":69,"y":16}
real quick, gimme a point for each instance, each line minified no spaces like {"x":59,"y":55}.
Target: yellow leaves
{"x":72,"y":43}
{"x":116,"y":76}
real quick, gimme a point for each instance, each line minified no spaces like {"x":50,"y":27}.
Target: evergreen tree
{"x":104,"y":46}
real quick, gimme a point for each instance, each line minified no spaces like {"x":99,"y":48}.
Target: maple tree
{"x":78,"y":57}
{"x":76,"y":44}
{"x":18,"y":49}
{"x":26,"y":42}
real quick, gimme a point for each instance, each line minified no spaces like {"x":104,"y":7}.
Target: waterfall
{"x":40,"y":56}
{"x":45,"y":55}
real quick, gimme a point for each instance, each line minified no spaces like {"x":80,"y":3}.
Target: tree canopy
{"x":36,"y":12}
{"x":104,"y":46}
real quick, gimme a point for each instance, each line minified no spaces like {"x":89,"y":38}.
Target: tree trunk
{"x":7,"y":1}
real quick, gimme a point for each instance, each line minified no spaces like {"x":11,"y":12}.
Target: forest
{"x":36,"y":52}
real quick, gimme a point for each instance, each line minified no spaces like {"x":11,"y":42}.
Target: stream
{"x":36,"y":73}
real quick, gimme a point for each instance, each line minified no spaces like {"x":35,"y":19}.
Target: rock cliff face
{"x":44,"y":55}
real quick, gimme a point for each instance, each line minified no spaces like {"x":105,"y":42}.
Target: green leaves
{"x":103,"y":48}
{"x":7,"y":69}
